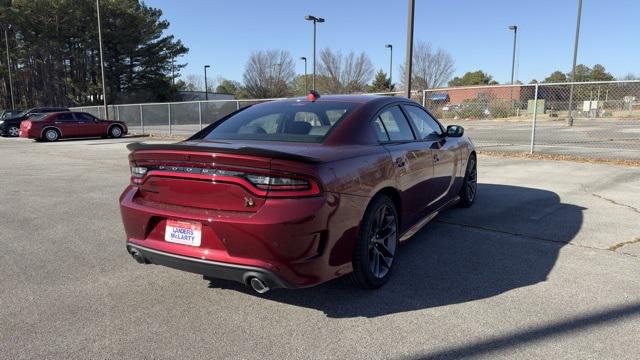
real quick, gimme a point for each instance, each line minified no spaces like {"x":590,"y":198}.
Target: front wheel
{"x":377,"y":244}
{"x":51,"y":135}
{"x":13,"y":131}
{"x":115,"y":132}
{"x":470,"y":183}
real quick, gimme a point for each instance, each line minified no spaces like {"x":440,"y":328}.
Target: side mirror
{"x":455,"y":131}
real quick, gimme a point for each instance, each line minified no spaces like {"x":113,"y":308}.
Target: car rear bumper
{"x":208,"y":268}
{"x":288,"y":243}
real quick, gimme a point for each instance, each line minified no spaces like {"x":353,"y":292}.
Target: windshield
{"x":36,"y":117}
{"x":300,"y":121}
{"x":23,"y":113}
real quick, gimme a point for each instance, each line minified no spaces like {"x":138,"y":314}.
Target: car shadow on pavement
{"x":509,"y":239}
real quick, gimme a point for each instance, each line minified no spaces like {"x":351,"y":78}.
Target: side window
{"x":378,"y":128}
{"x":396,"y":124}
{"x":65,"y":117}
{"x":84,"y":117}
{"x":426,"y":125}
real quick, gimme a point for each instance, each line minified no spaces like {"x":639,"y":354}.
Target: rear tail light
{"x":272,"y":185}
{"x":138,"y":172}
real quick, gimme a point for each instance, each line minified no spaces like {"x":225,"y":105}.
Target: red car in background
{"x":51,"y":127}
{"x":296,"y":192}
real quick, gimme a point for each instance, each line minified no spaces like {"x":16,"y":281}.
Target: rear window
{"x":301,"y":121}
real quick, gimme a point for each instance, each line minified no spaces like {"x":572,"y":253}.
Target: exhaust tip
{"x":137,"y":256}
{"x":258,"y":285}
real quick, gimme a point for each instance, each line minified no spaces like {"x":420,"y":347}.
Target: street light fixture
{"x":104,"y":87}
{"x":306,"y":88}
{"x":6,"y":39}
{"x":390,"y":47}
{"x":206,"y":90}
{"x":573,"y":68}
{"x":315,"y":21}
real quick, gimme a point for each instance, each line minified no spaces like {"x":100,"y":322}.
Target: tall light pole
{"x":513,"y":28}
{"x":390,"y":47}
{"x":104,"y":87}
{"x":173,"y":69}
{"x":206,"y":90}
{"x":573,"y":68}
{"x":306,"y":88}
{"x":409,"y":62}
{"x":315,"y":21}
{"x":6,"y":40}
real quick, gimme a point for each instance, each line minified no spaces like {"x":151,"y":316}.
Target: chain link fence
{"x":588,"y":119}
{"x":183,"y":118}
{"x":604,"y":121}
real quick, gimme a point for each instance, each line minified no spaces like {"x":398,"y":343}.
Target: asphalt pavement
{"x":546,"y":264}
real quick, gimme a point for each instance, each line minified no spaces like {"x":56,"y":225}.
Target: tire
{"x":51,"y":135}
{"x":115,"y":132}
{"x":377,"y":244}
{"x":13,"y":131}
{"x":470,"y":183}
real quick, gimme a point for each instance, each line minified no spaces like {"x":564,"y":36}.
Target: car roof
{"x":345,"y":98}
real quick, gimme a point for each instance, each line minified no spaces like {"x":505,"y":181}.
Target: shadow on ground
{"x":465,"y":255}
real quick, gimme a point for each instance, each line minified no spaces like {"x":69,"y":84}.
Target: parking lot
{"x":545,"y":264}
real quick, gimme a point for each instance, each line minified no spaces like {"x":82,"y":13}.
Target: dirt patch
{"x":556,"y":157}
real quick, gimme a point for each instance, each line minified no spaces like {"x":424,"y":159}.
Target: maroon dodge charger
{"x":293,"y":193}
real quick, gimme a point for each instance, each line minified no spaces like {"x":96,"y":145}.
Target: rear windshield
{"x":300,"y":121}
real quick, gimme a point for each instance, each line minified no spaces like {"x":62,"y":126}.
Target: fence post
{"x":424,"y":98}
{"x":237,"y":105}
{"x":200,"y":114}
{"x":141,"y":120}
{"x":535,"y":117}
{"x":169,"y":111}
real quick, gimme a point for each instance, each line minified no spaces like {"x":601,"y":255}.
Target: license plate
{"x":183,"y":232}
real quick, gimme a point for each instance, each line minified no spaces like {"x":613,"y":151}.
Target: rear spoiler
{"x":251,"y":151}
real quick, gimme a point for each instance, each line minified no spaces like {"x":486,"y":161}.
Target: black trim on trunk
{"x":211,"y":148}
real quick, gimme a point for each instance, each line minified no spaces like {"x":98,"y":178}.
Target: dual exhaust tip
{"x":257,"y":284}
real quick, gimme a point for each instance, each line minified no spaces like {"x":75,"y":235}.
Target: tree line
{"x":54,"y":52}
{"x":271,"y":74}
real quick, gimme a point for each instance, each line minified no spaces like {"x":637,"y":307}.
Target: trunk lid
{"x":213,"y":176}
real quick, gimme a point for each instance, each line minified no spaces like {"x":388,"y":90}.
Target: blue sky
{"x":224,"y":33}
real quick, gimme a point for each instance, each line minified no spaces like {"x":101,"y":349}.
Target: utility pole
{"x":409,"y":60}
{"x":573,"y":68}
{"x":390,"y":47}
{"x":306,"y":88}
{"x":206,"y":90}
{"x":6,"y":39}
{"x":104,"y":87}
{"x":514,"y":28}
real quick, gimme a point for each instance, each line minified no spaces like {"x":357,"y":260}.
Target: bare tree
{"x":340,"y":74}
{"x":431,"y":68}
{"x":195,"y":82}
{"x":268,"y":74}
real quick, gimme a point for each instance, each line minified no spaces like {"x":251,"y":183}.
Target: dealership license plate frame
{"x":183,"y":232}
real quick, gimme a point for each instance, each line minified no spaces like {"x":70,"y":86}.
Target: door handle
{"x":400,"y":162}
